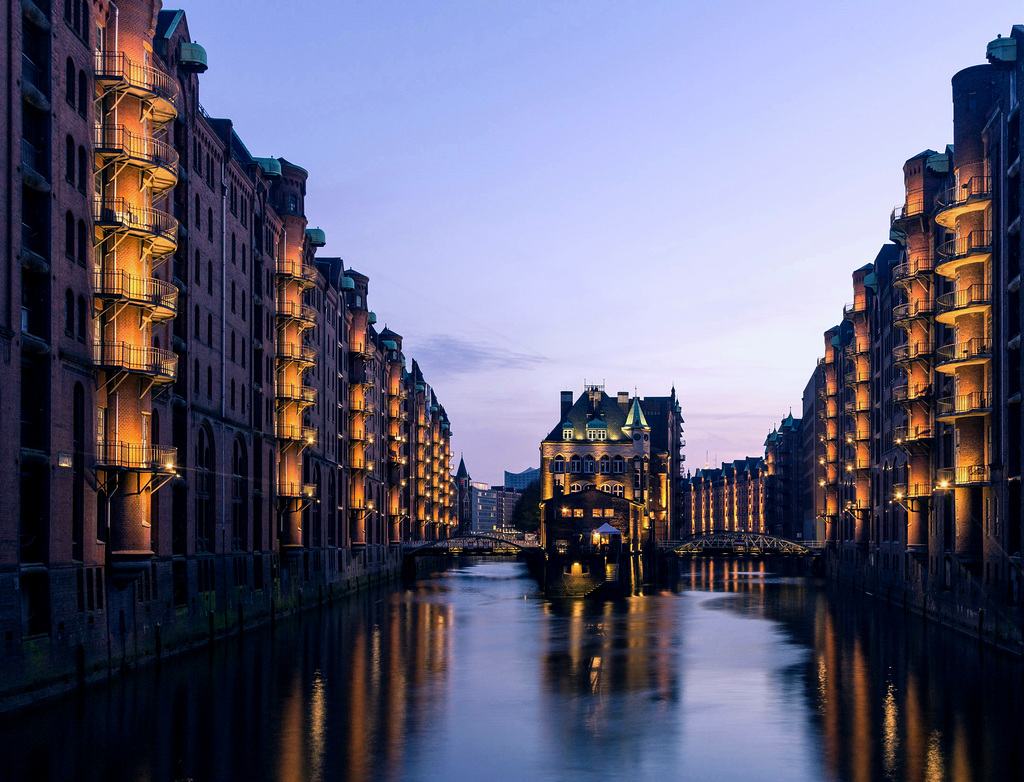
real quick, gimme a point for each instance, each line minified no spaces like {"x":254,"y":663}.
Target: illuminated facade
{"x":755,"y":494}
{"x":921,"y":383}
{"x":608,"y":445}
{"x":206,"y":424}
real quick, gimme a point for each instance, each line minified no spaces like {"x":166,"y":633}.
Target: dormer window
{"x":567,"y":433}
{"x":597,"y":434}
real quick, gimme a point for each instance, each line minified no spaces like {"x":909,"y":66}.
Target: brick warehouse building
{"x":921,"y":382}
{"x":203,"y":422}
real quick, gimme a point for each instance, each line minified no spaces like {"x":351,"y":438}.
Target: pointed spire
{"x":635,"y":419}
{"x":462,"y":472}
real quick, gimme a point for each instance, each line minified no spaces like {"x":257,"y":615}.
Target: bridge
{"x":474,"y":544}
{"x":740,"y":543}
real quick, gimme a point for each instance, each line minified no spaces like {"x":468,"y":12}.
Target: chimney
{"x":624,"y":401}
{"x":566,"y":404}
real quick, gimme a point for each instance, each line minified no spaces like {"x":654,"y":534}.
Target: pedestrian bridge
{"x":740,"y":543}
{"x":476,"y":544}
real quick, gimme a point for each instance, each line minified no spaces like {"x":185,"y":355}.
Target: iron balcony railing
{"x":963,"y":404}
{"x":291,"y":351}
{"x":977,"y":187}
{"x":162,"y":365}
{"x":294,"y":489}
{"x":134,"y":456}
{"x":296,"y":392}
{"x":855,"y":376}
{"x":903,"y":491}
{"x":963,"y":476}
{"x":907,"y":393}
{"x":296,"y":270}
{"x":145,"y":291}
{"x":115,"y":66}
{"x":905,"y":211}
{"x":912,"y":434}
{"x":290,"y":310}
{"x":918,"y":308}
{"x":975,"y":242}
{"x":909,"y":269}
{"x":971,"y":296}
{"x":118,"y":138}
{"x":966,"y":350}
{"x":127,"y":216}
{"x":306,"y":434}
{"x":849,"y":310}
{"x":912,"y":352}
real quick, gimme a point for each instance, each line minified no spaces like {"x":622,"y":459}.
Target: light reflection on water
{"x":737,"y":672}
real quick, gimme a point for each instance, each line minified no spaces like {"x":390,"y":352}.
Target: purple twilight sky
{"x":634,"y":193}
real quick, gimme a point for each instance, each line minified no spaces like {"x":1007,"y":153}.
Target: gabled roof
{"x":584,"y":411}
{"x":462,"y":472}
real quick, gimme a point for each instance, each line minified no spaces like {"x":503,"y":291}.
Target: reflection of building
{"x":203,"y":414}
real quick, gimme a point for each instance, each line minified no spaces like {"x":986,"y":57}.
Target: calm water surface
{"x":737,"y":673}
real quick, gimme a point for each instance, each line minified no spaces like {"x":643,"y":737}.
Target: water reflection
{"x":744,"y":670}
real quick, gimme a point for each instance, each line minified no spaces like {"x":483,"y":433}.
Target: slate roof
{"x":583,"y":412}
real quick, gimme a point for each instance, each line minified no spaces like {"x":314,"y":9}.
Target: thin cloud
{"x":448,"y":355}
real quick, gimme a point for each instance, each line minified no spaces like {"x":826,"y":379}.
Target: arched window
{"x":78,"y":16}
{"x":239,"y":496}
{"x":209,"y":382}
{"x":69,"y":235}
{"x":69,"y":313}
{"x":575,"y":488}
{"x":209,"y":329}
{"x":617,"y":490}
{"x":85,"y":21}
{"x":605,"y":487}
{"x":83,"y":169}
{"x":67,"y":10}
{"x":195,"y":377}
{"x":69,"y":81}
{"x":199,"y":221}
{"x":232,"y":345}
{"x":209,"y":277}
{"x":232,"y":397}
{"x":69,"y":159}
{"x":205,"y":471}
{"x":242,"y":407}
{"x":83,"y":243}
{"x":196,"y":328}
{"x":618,"y":465}
{"x":83,"y":318}
{"x":209,"y":224}
{"x":588,"y":463}
{"x":575,"y":464}
{"x":83,"y":93}
{"x":243,"y":352}
{"x":558,"y":464}
{"x":234,"y":248}
{"x":606,"y":465}
{"x":293,"y":203}
{"x":199,"y":269}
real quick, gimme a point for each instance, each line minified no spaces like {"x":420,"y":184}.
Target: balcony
{"x":907,"y":394}
{"x":962,"y":405}
{"x":857,"y":348}
{"x":160,"y":160}
{"x":301,"y":273}
{"x":905,"y":211}
{"x":293,"y":490}
{"x":300,"y":354}
{"x":976,"y":247}
{"x":910,"y":311}
{"x":135,"y":457}
{"x":906,"y":272}
{"x":160,"y":297}
{"x":972,"y":475}
{"x":971,"y":300}
{"x":115,"y":72}
{"x":302,"y":314}
{"x":363,"y":350}
{"x":292,"y":392}
{"x":856,"y":406}
{"x":161,"y":366}
{"x":909,"y":435}
{"x":904,"y":354}
{"x":971,"y":196}
{"x":296,"y":434}
{"x":854,"y":376}
{"x":122,"y":216}
{"x":912,"y":491}
{"x":962,"y":354}
{"x":854,"y":309}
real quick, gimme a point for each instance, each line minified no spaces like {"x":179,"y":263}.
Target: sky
{"x":639,"y":194}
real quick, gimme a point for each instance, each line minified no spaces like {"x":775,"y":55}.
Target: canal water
{"x":737,"y":672}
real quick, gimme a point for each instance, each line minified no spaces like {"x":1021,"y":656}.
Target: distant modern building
{"x":506,"y":499}
{"x":521,"y":480}
{"x":484,"y":505}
